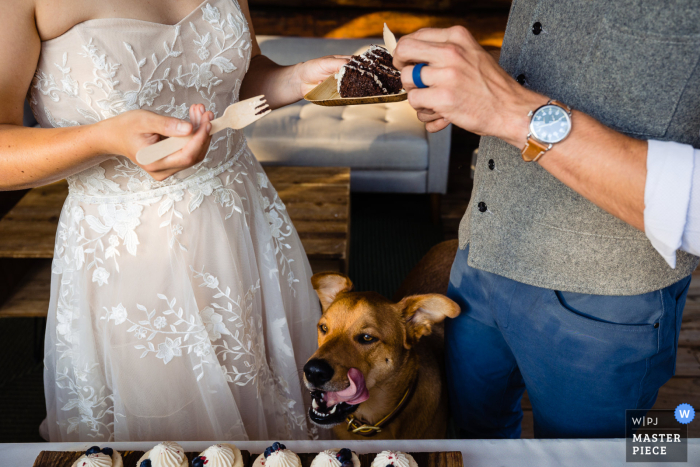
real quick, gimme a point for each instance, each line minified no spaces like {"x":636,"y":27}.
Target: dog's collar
{"x":360,"y":427}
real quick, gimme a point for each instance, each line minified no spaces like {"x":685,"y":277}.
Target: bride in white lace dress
{"x":181,"y":306}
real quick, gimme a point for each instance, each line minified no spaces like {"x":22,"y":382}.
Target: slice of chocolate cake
{"x":369,"y":74}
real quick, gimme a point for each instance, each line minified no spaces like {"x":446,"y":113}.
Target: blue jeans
{"x":584,"y":359}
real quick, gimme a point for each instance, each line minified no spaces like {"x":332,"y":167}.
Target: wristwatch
{"x":549,"y":125}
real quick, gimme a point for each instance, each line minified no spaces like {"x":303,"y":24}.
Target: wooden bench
{"x":317,"y":199}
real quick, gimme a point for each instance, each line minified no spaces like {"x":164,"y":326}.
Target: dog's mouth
{"x":331,"y":408}
{"x":322,"y":414}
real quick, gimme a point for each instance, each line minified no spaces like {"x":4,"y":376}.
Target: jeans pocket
{"x":624,"y":327}
{"x":624,"y":310}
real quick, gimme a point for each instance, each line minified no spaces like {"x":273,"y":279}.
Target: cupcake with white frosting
{"x":166,"y":454}
{"x":336,"y":458}
{"x":96,"y":457}
{"x":277,"y":455}
{"x":219,"y":455}
{"x":394,"y":459}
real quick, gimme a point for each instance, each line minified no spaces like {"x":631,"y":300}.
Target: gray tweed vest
{"x":631,"y":64}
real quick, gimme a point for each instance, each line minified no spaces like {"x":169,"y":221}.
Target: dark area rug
{"x":389,"y":234}
{"x":21,"y":383}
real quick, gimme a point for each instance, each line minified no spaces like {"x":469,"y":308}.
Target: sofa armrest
{"x":439,"y":145}
{"x":285,"y":50}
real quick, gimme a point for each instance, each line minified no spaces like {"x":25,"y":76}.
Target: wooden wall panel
{"x":487,"y":27}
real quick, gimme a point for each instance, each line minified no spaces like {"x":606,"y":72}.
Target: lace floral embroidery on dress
{"x":231,"y":33}
{"x":169,"y":334}
{"x":104,"y":98}
{"x":247,"y":345}
{"x":96,"y":240}
{"x":280,"y":228}
{"x":79,"y":373}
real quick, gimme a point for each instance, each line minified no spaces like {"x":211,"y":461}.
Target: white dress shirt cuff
{"x":691,"y":235}
{"x":667,"y":195}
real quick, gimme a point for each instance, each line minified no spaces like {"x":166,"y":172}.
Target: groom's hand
{"x":465,"y":85}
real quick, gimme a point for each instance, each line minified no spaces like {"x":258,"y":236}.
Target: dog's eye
{"x":366,"y":339}
{"x":323,"y":328}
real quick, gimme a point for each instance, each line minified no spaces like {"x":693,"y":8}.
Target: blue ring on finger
{"x":416,"y":76}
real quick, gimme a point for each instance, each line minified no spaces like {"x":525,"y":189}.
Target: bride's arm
{"x":283,"y":85}
{"x":32,"y":157}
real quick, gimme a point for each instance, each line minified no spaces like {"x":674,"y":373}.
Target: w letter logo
{"x":685,"y":413}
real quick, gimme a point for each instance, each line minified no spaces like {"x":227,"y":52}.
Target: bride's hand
{"x":125,"y":134}
{"x":309,"y":74}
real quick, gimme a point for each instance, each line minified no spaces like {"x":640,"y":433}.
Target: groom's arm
{"x":468,"y":88}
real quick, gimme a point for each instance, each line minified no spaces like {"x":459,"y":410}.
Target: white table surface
{"x":477,"y":453}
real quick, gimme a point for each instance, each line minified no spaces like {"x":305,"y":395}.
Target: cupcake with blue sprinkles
{"x":277,"y":455}
{"x":336,"y":458}
{"x":219,"y":455}
{"x":99,"y":457}
{"x":166,"y":454}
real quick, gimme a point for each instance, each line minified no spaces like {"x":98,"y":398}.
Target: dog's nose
{"x":318,"y":371}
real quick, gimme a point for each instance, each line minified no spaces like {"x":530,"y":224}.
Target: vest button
{"x":521,"y":79}
{"x":537,"y":28}
{"x":492,"y":164}
{"x":482,"y":206}
{"x":656,"y":325}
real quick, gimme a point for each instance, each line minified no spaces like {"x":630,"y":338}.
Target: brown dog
{"x":377,"y":363}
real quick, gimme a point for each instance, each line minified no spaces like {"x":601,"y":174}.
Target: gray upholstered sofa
{"x":385,"y":145}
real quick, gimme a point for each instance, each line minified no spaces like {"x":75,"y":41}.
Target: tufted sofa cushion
{"x":381,"y":136}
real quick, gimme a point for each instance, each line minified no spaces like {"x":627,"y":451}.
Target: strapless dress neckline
{"x":86,"y":22}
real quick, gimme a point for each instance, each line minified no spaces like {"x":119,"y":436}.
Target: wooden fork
{"x":237,"y":116}
{"x":389,"y":40}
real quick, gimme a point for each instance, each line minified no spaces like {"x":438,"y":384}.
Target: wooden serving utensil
{"x":236,"y":116}
{"x":389,"y":40}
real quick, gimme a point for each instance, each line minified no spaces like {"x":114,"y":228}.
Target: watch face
{"x":550,"y":124}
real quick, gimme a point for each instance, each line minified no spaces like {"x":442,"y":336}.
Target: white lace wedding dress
{"x":180,"y":309}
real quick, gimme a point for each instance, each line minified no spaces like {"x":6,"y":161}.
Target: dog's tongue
{"x":355,"y":394}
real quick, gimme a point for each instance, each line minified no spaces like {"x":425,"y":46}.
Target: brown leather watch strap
{"x":560,"y":104}
{"x":533,"y":150}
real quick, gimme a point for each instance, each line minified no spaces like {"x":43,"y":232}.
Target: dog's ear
{"x":328,"y":285}
{"x":420,"y":312}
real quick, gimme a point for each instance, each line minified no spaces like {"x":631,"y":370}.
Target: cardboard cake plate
{"x":326,"y":94}
{"x":423,"y":459}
